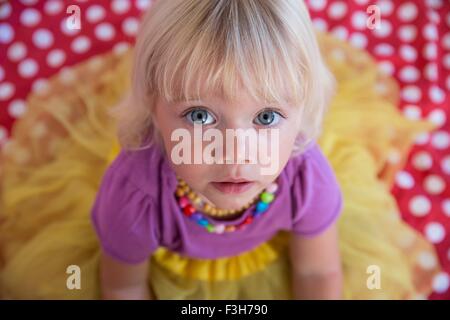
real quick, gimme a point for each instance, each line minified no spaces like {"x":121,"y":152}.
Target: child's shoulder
{"x":311,"y":161}
{"x":143,"y":169}
{"x":316,"y":194}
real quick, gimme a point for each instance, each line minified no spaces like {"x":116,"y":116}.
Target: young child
{"x":162,"y":228}
{"x":223,"y":65}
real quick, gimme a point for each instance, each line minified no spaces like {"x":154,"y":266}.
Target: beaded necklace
{"x":187,"y":198}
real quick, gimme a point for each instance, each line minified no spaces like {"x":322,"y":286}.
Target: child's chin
{"x":232,"y":201}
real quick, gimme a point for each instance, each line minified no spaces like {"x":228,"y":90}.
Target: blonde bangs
{"x":195,"y":48}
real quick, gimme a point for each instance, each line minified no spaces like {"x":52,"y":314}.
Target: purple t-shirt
{"x":136,"y":211}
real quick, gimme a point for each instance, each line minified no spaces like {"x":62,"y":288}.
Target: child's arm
{"x":316,"y":266}
{"x":123,"y":281}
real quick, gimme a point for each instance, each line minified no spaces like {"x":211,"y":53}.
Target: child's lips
{"x":233,"y":187}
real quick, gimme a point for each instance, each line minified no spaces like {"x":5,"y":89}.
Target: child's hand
{"x":316,"y":266}
{"x":123,"y":281}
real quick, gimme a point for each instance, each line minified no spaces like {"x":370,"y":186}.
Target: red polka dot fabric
{"x":411,"y":42}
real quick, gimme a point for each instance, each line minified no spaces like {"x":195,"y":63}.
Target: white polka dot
{"x":5,"y":10}
{"x":337,"y":10}
{"x":120,"y":6}
{"x":30,"y":17}
{"x":2,"y":73}
{"x":422,"y":161}
{"x":436,"y":94}
{"x":407,"y":12}
{"x":40,"y":86}
{"x":320,"y":24}
{"x":43,"y":38}
{"x":427,"y":260}
{"x":411,"y":94}
{"x":95,"y":13}
{"x":340,"y":32}
{"x":384,"y":49}
{"x":409,"y":74}
{"x":434,"y":184}
{"x":28,"y":68}
{"x":17,"y":108}
{"x":435,"y":232}
{"x":438,"y":117}
{"x":447,"y":82}
{"x":404,"y":180}
{"x":440,"y":140}
{"x":446,"y":207}
{"x":407,"y":33}
{"x":435,"y":4}
{"x":362,"y":2}
{"x":447,"y":61}
{"x":419,"y":206}
{"x":121,"y":47}
{"x":143,"y":4}
{"x":412,"y":112}
{"x":53,"y":7}
{"x":446,"y":41}
{"x":408,"y":53}
{"x":130,"y":26}
{"x":6,"y":33}
{"x":56,"y":58}
{"x":104,"y":31}
{"x":386,"y":7}
{"x":29,"y":2}
{"x":317,"y":5}
{"x":359,"y":19}
{"x":384,"y":30}
{"x":81,"y":44}
{"x":17,"y":51}
{"x":422,"y":138}
{"x":430,"y":32}
{"x":430,"y":51}
{"x":6,"y":90}
{"x":431,"y":71}
{"x":433,"y":17}
{"x":358,"y":39}
{"x":69,"y":31}
{"x":386,"y":67}
{"x":445,"y":164}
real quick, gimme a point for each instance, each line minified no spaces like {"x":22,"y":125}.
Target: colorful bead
{"x":272,"y":188}
{"x":230,"y":228}
{"x":220,"y":228}
{"x":266,"y":197}
{"x":187,"y":197}
{"x":183,"y":202}
{"x":188,"y":210}
{"x":248,"y":220}
{"x":261,"y":206}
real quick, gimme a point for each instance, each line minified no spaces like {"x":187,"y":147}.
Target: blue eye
{"x":200,"y":116}
{"x":267,"y":118}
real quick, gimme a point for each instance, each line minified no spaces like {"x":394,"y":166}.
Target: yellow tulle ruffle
{"x":52,"y":168}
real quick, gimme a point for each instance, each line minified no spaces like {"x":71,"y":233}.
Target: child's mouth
{"x":233,"y":187}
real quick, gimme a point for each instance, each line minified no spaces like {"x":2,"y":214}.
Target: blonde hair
{"x":268,"y":46}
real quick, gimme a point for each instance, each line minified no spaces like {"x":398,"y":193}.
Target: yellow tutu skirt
{"x":52,"y":168}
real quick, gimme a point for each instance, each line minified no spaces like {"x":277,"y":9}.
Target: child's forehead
{"x":238,"y":98}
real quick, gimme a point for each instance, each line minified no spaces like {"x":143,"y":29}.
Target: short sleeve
{"x":124,"y":218}
{"x":317,"y":195}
